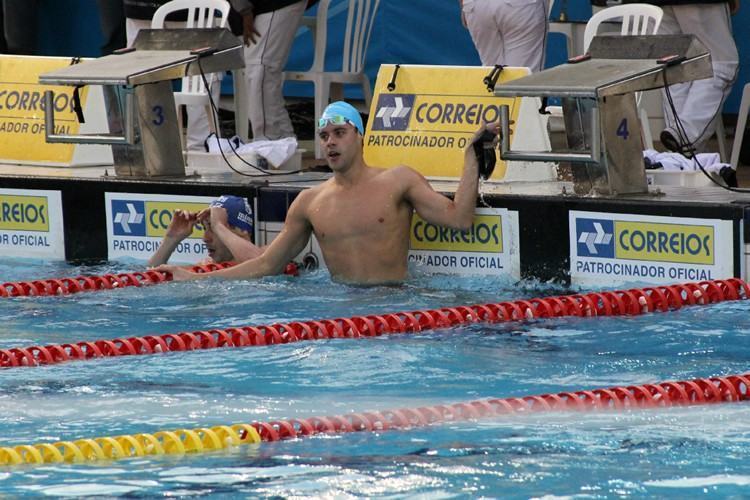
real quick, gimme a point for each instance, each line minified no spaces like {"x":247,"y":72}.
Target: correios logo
{"x":434,"y":113}
{"x":594,"y":237}
{"x":128,"y":218}
{"x":678,"y":243}
{"x":393,"y":111}
{"x":646,"y":241}
{"x":24,"y":213}
{"x":485,"y":235}
{"x":149,"y":218}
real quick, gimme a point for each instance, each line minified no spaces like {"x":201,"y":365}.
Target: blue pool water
{"x":680,"y":453}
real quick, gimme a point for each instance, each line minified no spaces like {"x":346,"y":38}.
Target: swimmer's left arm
{"x":438,"y":209}
{"x":242,"y":249}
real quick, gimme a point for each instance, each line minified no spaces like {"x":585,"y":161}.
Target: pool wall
{"x":579,"y":240}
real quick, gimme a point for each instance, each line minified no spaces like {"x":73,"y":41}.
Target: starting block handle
{"x":592,"y":156}
{"x":49,"y":126}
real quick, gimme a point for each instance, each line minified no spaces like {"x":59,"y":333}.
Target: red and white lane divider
{"x":616,"y":303}
{"x":66,"y":286}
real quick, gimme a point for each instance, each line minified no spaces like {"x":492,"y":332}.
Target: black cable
{"x":687,"y":146}
{"x":221,"y":150}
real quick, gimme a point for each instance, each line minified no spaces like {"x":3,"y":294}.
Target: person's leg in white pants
{"x":508,"y":32}
{"x":698,"y":103}
{"x":198,"y":121}
{"x":264,"y":66}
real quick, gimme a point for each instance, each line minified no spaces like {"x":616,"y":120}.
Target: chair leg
{"x":180,"y":121}
{"x":366,"y":91}
{"x":721,"y":138}
{"x":336,"y":92}
{"x":213,"y":120}
{"x":739,"y":132}
{"x":241,"y":127}
{"x":322,"y":92}
{"x":648,"y":138}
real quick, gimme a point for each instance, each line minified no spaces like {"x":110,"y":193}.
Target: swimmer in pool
{"x":228,"y":229}
{"x":361,"y":216}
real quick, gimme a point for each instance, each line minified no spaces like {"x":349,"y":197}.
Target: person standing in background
{"x":112,"y":23}
{"x":20,"y":26}
{"x":699,"y":103}
{"x":3,"y":45}
{"x":268,"y":29}
{"x":508,"y":32}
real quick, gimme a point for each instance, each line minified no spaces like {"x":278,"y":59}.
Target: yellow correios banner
{"x":430,"y":116}
{"x":484,"y":235}
{"x":658,"y":242}
{"x":22,"y":111}
{"x":159,"y":214}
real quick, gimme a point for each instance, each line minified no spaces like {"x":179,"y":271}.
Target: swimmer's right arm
{"x":180,"y":227}
{"x":289,"y":243}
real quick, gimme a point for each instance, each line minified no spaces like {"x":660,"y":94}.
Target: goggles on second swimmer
{"x":334,"y":120}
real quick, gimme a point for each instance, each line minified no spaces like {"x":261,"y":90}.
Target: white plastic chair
{"x":201,"y":14}
{"x":637,"y":19}
{"x":359,"y":21}
{"x":739,"y":132}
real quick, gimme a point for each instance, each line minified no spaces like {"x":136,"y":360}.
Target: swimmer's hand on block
{"x":484,"y":143}
{"x":484,"y":149}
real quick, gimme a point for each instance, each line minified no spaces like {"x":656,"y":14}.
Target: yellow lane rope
{"x":175,"y":442}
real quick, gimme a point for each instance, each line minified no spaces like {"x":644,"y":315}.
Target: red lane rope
{"x":616,"y":303}
{"x":66,"y":286}
{"x":731,"y":388}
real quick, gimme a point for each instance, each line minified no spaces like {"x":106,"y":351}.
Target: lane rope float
{"x":614,"y":303}
{"x":67,"y":286}
{"x":731,"y":388}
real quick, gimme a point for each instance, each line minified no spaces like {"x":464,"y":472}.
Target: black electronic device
{"x":203,"y":51}
{"x":124,"y":50}
{"x":579,"y":58}
{"x":671,"y":60}
{"x":484,"y":149}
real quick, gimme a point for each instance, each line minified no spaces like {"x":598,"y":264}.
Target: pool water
{"x":679,"y":452}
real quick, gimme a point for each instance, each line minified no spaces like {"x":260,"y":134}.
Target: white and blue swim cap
{"x":239,"y":213}
{"x":339,"y":113}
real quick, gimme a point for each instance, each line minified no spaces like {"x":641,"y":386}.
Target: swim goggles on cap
{"x":334,"y":120}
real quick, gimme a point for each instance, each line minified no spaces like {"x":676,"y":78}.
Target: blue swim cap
{"x":239,"y":213}
{"x":341,"y":112}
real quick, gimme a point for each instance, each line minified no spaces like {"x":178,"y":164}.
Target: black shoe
{"x":729,"y":175}
{"x":651,"y":165}
{"x":670,"y":142}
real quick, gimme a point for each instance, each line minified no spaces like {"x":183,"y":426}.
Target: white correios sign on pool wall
{"x":488,"y":248}
{"x":609,"y":249}
{"x":31,"y":224}
{"x":136,"y":224}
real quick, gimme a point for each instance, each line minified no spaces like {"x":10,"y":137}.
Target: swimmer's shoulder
{"x":307,"y":196}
